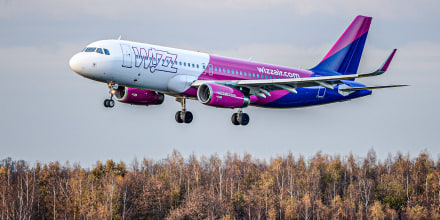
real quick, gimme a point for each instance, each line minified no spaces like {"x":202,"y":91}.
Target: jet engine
{"x":136,"y":96}
{"x":222,"y":96}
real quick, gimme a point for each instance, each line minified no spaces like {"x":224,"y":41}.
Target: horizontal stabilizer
{"x":353,"y":89}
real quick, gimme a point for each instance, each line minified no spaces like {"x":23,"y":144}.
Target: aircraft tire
{"x":106,"y":103}
{"x":234,"y":119}
{"x":111,"y":103}
{"x":244,"y":119}
{"x":177,"y":117}
{"x":188,"y":117}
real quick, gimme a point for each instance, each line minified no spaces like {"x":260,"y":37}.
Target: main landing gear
{"x":110,"y":103}
{"x":240,"y":118}
{"x":183,"y":116}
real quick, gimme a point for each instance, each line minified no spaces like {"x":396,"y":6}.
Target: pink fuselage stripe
{"x":224,"y":68}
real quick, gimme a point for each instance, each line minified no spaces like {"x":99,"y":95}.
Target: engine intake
{"x":222,"y":96}
{"x":136,"y":96}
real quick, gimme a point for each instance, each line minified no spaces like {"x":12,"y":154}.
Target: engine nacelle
{"x":138,"y":96}
{"x":222,"y":96}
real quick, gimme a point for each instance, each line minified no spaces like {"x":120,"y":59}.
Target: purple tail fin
{"x":345,"y":55}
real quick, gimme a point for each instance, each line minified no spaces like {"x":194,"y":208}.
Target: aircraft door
{"x":321,"y":92}
{"x":126,"y":56}
{"x":210,"y":69}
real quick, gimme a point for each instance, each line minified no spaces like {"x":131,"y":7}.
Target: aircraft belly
{"x":310,"y":97}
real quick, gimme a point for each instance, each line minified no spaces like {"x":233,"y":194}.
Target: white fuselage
{"x":141,"y":65}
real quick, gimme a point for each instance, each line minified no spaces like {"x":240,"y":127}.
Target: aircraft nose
{"x":75,"y":63}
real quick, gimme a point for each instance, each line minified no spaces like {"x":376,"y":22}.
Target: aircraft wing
{"x":261,"y":87}
{"x":286,"y":84}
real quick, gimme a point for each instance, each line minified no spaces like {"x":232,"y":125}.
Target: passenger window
{"x":215,"y":69}
{"x":198,"y":66}
{"x":193,"y":65}
{"x":180,"y":63}
{"x":224,"y":70}
{"x":210,"y":67}
{"x":184,"y":63}
{"x":229,"y":71}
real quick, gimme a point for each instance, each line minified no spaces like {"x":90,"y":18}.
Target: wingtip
{"x":385,"y":66}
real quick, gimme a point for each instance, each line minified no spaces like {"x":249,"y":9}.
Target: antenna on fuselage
{"x":119,"y":38}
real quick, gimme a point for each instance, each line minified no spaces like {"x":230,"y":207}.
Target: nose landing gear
{"x":240,"y":118}
{"x":110,"y":103}
{"x":183,"y":116}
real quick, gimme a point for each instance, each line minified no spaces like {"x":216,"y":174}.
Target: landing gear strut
{"x":110,"y":103}
{"x":183,"y":116}
{"x":240,"y":118}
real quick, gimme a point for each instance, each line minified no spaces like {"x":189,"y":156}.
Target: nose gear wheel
{"x":110,"y":103}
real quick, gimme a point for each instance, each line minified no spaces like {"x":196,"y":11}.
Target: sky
{"x":49,"y":113}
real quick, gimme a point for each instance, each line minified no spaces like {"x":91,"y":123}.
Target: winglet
{"x":382,"y":68}
{"x":385,"y":65}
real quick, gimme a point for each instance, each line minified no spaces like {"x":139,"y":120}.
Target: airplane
{"x":142,"y":74}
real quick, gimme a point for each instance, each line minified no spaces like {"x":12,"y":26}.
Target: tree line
{"x":233,"y":187}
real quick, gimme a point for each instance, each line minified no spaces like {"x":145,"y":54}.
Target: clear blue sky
{"x":48,"y":112}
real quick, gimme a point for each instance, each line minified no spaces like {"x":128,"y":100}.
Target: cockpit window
{"x":106,"y":52}
{"x":90,"y":49}
{"x":99,"y":50}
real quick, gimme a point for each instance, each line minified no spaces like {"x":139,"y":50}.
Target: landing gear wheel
{"x":240,"y":118}
{"x":234,"y":119}
{"x":177,"y":117}
{"x":187,"y":117}
{"x":111,"y":103}
{"x":244,"y":119}
{"x":183,"y":116}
